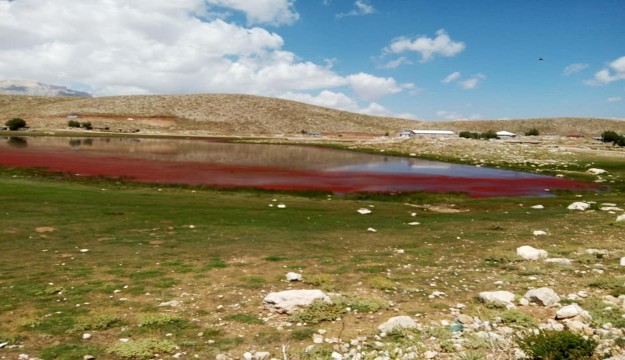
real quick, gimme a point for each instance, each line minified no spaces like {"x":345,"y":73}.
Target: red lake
{"x":274,"y":167}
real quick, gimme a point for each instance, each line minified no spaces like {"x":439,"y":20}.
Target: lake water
{"x":277,"y":167}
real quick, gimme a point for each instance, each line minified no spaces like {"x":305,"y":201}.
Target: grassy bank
{"x":98,"y":257}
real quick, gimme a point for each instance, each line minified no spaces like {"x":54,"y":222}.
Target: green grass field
{"x":98,"y":257}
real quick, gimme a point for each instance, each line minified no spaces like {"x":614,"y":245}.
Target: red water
{"x":274,"y":178}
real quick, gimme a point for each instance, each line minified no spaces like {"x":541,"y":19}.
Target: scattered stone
{"x":529,"y":253}
{"x":542,"y":296}
{"x":595,"y":171}
{"x":465,"y":319}
{"x":88,"y":357}
{"x":500,"y":297}
{"x":3,"y":344}
{"x":561,"y":261}
{"x":281,"y":206}
{"x":171,"y":303}
{"x":262,"y":355}
{"x":601,"y":252}
{"x":364,"y":211}
{"x":84,"y":250}
{"x":248,"y":355}
{"x":317,"y":339}
{"x":372,"y":229}
{"x":293,"y":276}
{"x":287,"y":302}
{"x":414,"y":223}
{"x":620,"y":218}
{"x":86,"y":336}
{"x":524,"y":302}
{"x":579,"y":205}
{"x":397,"y":323}
{"x":44,"y":229}
{"x":540,"y":233}
{"x":537,"y":207}
{"x":610,"y":208}
{"x":430,"y":354}
{"x":622,"y":262}
{"x":571,"y":311}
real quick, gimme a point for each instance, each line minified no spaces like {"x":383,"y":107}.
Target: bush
{"x":469,"y":135}
{"x":532,"y":132}
{"x":610,"y":136}
{"x":557,"y":345}
{"x":490,"y":134}
{"x":317,"y":312}
{"x":73,"y":124}
{"x":86,"y":125}
{"x":141,"y":349}
{"x":15,"y":124}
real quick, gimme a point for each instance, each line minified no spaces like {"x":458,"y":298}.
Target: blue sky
{"x":421,"y":59}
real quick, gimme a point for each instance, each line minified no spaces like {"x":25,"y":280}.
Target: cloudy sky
{"x":421,"y":59}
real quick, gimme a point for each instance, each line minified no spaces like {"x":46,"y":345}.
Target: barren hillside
{"x":228,"y":114}
{"x":214,"y":113}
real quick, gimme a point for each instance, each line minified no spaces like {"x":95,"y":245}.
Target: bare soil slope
{"x":215,"y":113}
{"x":230,"y":114}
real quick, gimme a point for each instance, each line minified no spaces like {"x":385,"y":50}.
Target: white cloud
{"x":157,"y":46}
{"x":574,"y":69}
{"x":441,"y":45}
{"x":361,"y":7}
{"x":275,"y":12}
{"x":454,"y":115}
{"x":451,"y":77}
{"x":614,"y":99}
{"x":369,"y":87}
{"x":614,"y":72}
{"x":396,"y":63}
{"x":376,"y":109}
{"x":326,"y":98}
{"x":472,"y":82}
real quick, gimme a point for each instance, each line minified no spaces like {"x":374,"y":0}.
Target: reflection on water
{"x":256,"y":155}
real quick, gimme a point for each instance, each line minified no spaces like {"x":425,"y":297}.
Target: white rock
{"x":576,"y":325}
{"x":561,"y":261}
{"x":579,"y":205}
{"x":293,"y":276}
{"x":570,"y":311}
{"x":336,"y":356}
{"x":610,"y":208}
{"x":86,"y":336}
{"x":540,"y":233}
{"x":3,"y":344}
{"x":529,"y":253}
{"x":500,"y":297}
{"x":414,"y":223}
{"x":430,"y":354}
{"x":622,"y":262}
{"x":542,"y":296}
{"x":317,"y":339}
{"x":537,"y":207}
{"x":620,"y":218}
{"x":171,"y":303}
{"x":596,"y":171}
{"x":397,"y":323}
{"x":372,"y":229}
{"x":524,"y":302}
{"x":262,"y":355}
{"x":84,"y":250}
{"x":248,"y":356}
{"x":364,"y":211}
{"x":287,"y":302}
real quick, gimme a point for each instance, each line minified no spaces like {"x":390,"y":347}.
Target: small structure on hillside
{"x":433,"y":133}
{"x":405,"y":134}
{"x":72,"y":116}
{"x":505,"y":134}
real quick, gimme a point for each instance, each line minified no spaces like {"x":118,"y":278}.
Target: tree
{"x":87,"y":125}
{"x":73,"y":124}
{"x":15,"y":124}
{"x":610,"y":136}
{"x":490,"y":134}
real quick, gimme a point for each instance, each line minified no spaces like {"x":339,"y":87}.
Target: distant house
{"x":72,"y":116}
{"x":312,"y":133}
{"x":405,"y":134}
{"x":433,"y":133}
{"x":505,"y":134}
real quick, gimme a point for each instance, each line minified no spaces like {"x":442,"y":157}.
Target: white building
{"x":505,"y":134}
{"x":433,"y":133}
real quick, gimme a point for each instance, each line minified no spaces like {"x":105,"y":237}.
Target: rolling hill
{"x":231,"y":114}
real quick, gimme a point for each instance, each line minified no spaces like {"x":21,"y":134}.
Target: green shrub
{"x":141,"y":349}
{"x":518,"y":318}
{"x":317,"y":312}
{"x":557,"y":345}
{"x":532,"y":132}
{"x":15,"y":124}
{"x":610,"y":136}
{"x":86,"y":125}
{"x":490,"y":134}
{"x":95,"y":322}
{"x":469,"y":135}
{"x":160,"y":320}
{"x":381,"y":283}
{"x":244,"y":318}
{"x":303,"y":334}
{"x":73,"y":124}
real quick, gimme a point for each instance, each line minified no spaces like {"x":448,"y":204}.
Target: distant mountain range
{"x":33,"y":88}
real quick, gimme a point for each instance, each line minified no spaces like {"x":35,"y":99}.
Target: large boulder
{"x":571,"y":311}
{"x":505,"y":298}
{"x":529,"y":253}
{"x":289,"y":301}
{"x":542,"y":296}
{"x":579,"y":205}
{"x":397,"y":323}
